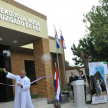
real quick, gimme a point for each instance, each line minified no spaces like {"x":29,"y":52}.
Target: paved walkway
{"x":71,"y":105}
{"x":42,"y":103}
{"x":37,"y":103}
{"x":67,"y":105}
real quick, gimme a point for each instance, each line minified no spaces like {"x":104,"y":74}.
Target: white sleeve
{"x":27,"y":85}
{"x":11,"y":76}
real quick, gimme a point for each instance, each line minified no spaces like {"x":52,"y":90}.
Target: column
{"x":61,"y":70}
{"x":45,"y":86}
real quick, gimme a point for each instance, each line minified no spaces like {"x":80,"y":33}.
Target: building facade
{"x":25,"y":44}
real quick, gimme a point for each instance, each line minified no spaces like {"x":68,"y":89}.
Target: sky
{"x":64,"y":14}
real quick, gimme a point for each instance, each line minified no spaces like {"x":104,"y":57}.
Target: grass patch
{"x":34,"y":96}
{"x":89,"y":102}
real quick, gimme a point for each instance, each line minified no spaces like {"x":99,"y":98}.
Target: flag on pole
{"x":57,"y":85}
{"x":62,"y":40}
{"x":57,"y":40}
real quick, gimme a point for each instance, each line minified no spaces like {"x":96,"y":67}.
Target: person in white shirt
{"x":22,"y":92}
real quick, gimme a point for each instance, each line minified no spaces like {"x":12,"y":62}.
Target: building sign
{"x":17,"y":19}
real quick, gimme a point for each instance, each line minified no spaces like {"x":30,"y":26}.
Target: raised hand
{"x":4,"y":70}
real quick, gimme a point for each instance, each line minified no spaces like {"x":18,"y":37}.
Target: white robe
{"x":22,"y":95}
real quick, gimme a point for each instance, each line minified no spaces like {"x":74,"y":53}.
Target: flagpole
{"x":63,"y":59}
{"x":57,"y":59}
{"x":64,"y":65}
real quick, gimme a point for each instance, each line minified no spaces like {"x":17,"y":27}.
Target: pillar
{"x":61,"y":70}
{"x":45,"y":88}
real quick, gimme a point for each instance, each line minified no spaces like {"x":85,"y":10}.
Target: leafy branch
{"x":95,"y":41}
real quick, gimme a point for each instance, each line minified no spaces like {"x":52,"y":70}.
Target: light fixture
{"x":1,"y":39}
{"x":15,"y":41}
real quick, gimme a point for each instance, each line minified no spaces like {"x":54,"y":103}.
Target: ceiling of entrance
{"x":9,"y":36}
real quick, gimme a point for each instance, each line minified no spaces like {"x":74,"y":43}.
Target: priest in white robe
{"x":22,"y":92}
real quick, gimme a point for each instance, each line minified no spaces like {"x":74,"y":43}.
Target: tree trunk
{"x":84,"y":58}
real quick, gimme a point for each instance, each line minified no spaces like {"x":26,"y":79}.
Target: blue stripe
{"x":57,"y":45}
{"x":62,"y":37}
{"x":54,"y":83}
{"x":60,"y":98}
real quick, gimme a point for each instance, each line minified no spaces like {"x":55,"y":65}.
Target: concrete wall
{"x":68,"y":74}
{"x":53,"y":46}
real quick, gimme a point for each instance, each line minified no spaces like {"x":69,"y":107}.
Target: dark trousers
{"x":72,"y":91}
{"x":85,"y":92}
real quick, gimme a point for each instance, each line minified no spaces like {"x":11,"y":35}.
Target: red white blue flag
{"x":57,"y":40}
{"x":62,"y":40}
{"x":57,"y":85}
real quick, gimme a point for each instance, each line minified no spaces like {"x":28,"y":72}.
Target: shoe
{"x":73,"y":100}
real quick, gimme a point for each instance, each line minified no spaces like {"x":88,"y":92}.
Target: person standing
{"x":71,"y":79}
{"x":22,"y":92}
{"x":82,"y":77}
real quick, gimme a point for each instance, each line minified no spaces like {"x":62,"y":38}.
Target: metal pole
{"x":64,"y":65}
{"x":57,"y":59}
{"x":63,"y":60}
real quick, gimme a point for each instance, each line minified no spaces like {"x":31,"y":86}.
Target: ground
{"x":37,"y":104}
{"x":67,"y":105}
{"x":71,"y":105}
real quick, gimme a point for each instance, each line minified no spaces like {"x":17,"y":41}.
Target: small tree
{"x":67,"y":63}
{"x":95,"y":42}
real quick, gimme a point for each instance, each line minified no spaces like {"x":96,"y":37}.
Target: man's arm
{"x":9,"y":75}
{"x":27,"y":85}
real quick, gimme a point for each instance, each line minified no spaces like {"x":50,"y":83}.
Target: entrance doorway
{"x":6,"y":92}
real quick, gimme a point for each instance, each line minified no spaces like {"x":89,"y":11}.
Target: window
{"x":30,"y":69}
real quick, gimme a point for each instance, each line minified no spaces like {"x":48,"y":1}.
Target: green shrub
{"x":89,"y":102}
{"x":55,"y":91}
{"x":67,"y":87}
{"x":34,"y":96}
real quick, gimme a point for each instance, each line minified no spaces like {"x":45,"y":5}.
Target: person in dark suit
{"x":82,"y":77}
{"x":71,"y":79}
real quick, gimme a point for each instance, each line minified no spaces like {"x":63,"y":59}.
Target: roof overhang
{"x":7,"y":36}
